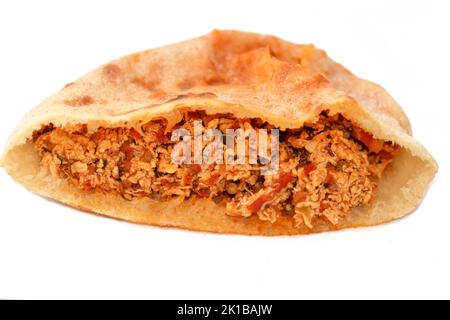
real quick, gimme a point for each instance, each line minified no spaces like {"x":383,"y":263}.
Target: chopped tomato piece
{"x":161,"y":135}
{"x":98,"y":136}
{"x":127,"y":150}
{"x":282,"y":181}
{"x":134,"y":134}
{"x":385,"y":155}
{"x":309,"y":168}
{"x":196,"y":168}
{"x":203,"y":192}
{"x":362,"y":136}
{"x":324,"y":206}
{"x":126,"y":166}
{"x":213,"y":179}
{"x":187,"y":179}
{"x":256,"y":205}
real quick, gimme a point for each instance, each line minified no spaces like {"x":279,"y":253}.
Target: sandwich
{"x":231,"y":132}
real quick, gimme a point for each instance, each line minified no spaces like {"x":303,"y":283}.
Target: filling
{"x":325,"y":168}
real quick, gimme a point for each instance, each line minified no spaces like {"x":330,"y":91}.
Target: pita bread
{"x":248,"y":75}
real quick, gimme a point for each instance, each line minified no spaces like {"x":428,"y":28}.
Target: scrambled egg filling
{"x":326,"y":168}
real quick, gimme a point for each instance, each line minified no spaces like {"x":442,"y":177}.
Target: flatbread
{"x":248,"y":75}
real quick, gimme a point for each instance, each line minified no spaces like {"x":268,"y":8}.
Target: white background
{"x":50,"y":251}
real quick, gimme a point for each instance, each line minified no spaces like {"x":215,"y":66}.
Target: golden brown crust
{"x":246,"y":74}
